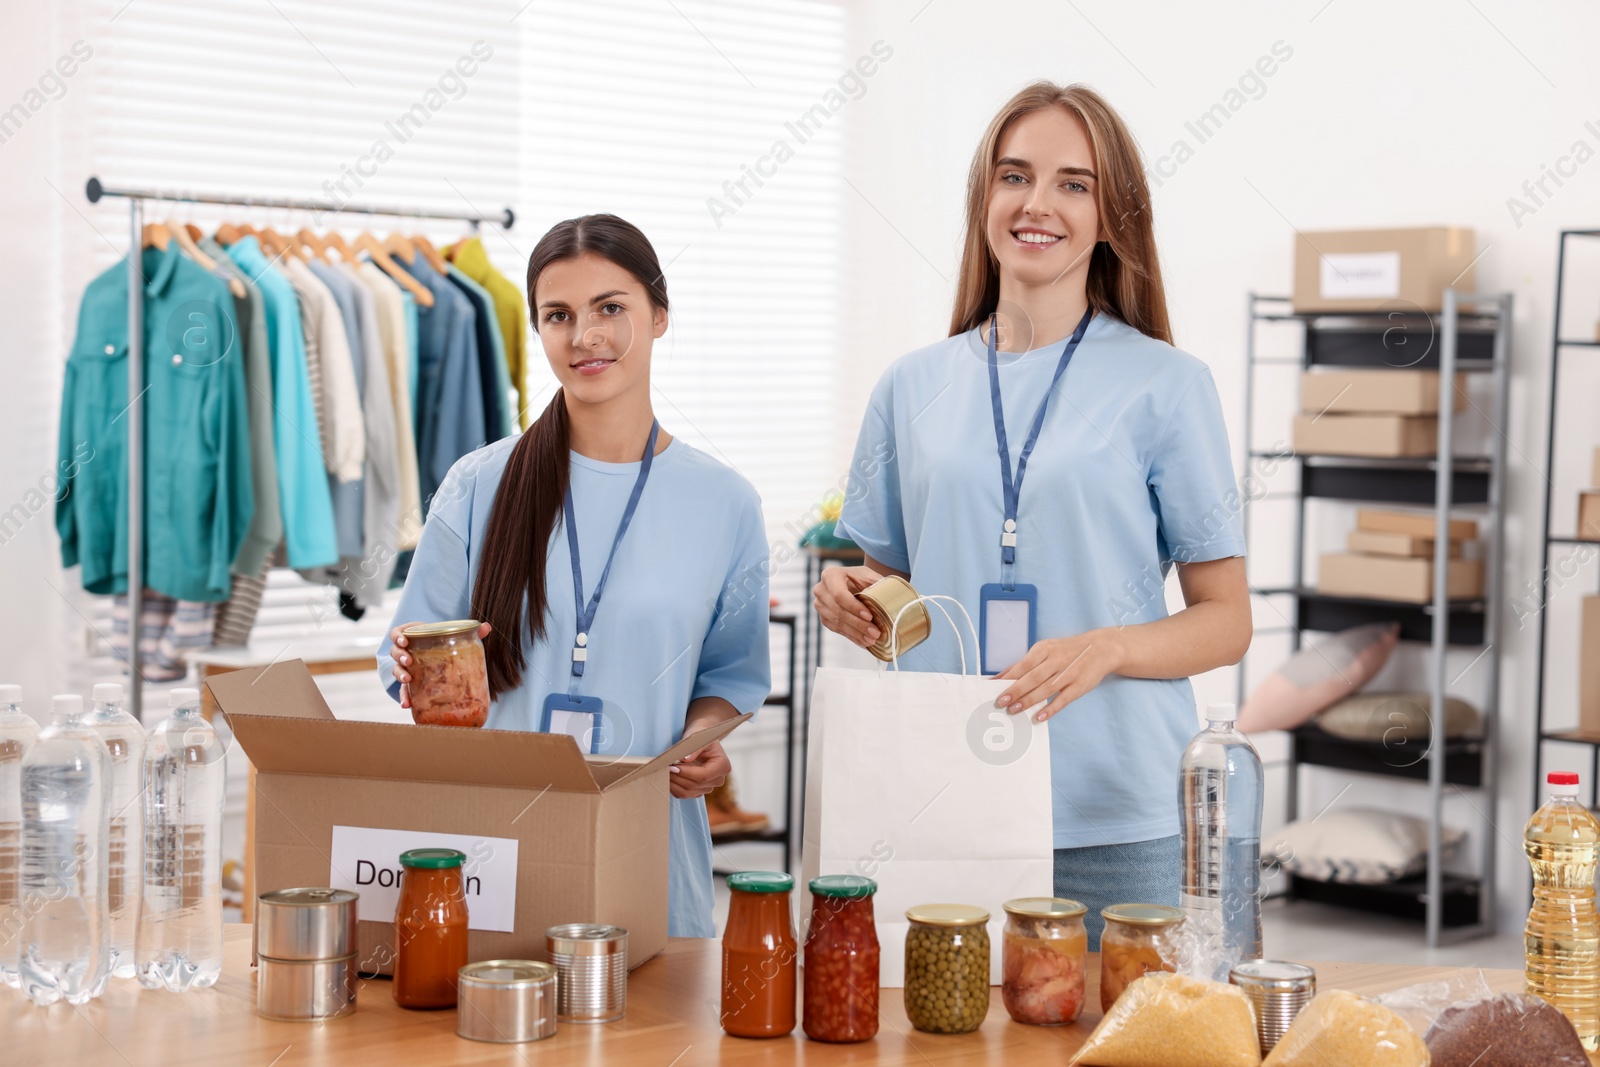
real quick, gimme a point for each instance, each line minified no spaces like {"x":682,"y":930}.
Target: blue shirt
{"x":349,"y":498}
{"x":449,"y":409}
{"x":684,"y":614}
{"x":493,"y":375}
{"x":1132,"y":472}
{"x":302,"y":477}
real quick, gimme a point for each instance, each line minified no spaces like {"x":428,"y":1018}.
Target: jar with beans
{"x":841,"y":973}
{"x":1138,"y":938}
{"x":947,"y":968}
{"x":1042,"y":960}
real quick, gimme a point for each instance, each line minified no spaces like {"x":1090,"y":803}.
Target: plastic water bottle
{"x":124,"y":741}
{"x":1562,"y":841}
{"x":17,"y":733}
{"x":180,"y":911}
{"x":66,"y":948}
{"x":1219,"y":813}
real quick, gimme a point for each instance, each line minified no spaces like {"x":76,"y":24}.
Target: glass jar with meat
{"x":449,"y":677}
{"x":1042,"y":961}
{"x":1138,"y":939}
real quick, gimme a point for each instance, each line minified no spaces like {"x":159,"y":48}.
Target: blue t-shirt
{"x":684,"y":613}
{"x":1131,"y":472}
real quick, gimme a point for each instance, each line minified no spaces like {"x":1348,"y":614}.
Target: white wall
{"x":1384,"y":115}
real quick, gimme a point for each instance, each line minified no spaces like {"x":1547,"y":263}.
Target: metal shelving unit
{"x":1453,"y":907}
{"x":1558,"y":345}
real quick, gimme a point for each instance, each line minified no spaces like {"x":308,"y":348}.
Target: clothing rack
{"x":96,"y":190}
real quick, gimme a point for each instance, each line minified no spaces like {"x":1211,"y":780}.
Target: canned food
{"x":1277,"y":990}
{"x":889,"y":598}
{"x":591,"y":962}
{"x":947,"y":968}
{"x":842,"y":956}
{"x":300,"y":991}
{"x":1042,"y":961}
{"x":449,"y":676}
{"x":507,"y":1001}
{"x":310,"y":923}
{"x":1138,"y":939}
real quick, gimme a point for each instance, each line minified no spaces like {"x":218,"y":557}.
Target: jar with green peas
{"x":947,"y":968}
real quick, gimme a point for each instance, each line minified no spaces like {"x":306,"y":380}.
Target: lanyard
{"x":1012,"y":487}
{"x":580,"y":650}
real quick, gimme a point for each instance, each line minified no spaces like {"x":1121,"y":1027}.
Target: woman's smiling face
{"x":597,"y":325}
{"x":1043,"y":219}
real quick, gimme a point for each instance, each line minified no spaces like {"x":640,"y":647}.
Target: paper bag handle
{"x":894,"y":629}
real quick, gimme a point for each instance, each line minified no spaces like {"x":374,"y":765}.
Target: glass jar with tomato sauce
{"x":1138,"y":939}
{"x":430,"y":928}
{"x":841,"y":979}
{"x":1042,"y":961}
{"x":758,"y":956}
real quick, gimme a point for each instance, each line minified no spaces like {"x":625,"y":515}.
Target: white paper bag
{"x":918,"y":781}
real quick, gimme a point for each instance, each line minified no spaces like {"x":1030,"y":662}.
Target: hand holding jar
{"x":443,"y":677}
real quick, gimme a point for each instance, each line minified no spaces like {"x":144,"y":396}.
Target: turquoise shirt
{"x":684,"y":614}
{"x":198,"y":500}
{"x":1131,"y":473}
{"x":302,"y":476}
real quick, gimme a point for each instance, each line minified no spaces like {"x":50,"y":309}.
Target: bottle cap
{"x":1562,"y":778}
{"x":184,"y":698}
{"x":108,"y":693}
{"x":1222,"y":712}
{"x":68,"y":704}
{"x":10,"y":694}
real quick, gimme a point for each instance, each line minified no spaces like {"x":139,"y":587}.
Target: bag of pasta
{"x":1175,"y":1021}
{"x":1342,"y":1028}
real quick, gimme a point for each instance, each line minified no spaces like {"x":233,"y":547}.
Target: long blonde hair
{"x":1124,"y":272}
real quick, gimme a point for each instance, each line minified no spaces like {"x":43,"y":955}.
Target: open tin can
{"x":506,"y":1001}
{"x":892,"y":597}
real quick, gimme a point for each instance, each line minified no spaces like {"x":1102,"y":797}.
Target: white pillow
{"x":1363,"y":846}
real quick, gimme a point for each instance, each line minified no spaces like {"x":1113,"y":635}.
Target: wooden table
{"x":671,"y":1022}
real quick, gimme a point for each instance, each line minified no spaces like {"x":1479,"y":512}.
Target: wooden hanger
{"x":194,"y":232}
{"x":400,"y":246}
{"x":313,"y":242}
{"x":185,"y":241}
{"x":335,"y":240}
{"x":155,"y":235}
{"x":369,"y":244}
{"x":430,"y":253}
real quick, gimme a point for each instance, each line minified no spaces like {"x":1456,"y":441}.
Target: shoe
{"x":732,"y":817}
{"x":722,"y":823}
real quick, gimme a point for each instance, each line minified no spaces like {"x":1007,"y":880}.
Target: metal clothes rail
{"x":96,"y":190}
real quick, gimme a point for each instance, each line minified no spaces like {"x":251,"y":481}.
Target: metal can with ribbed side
{"x":591,"y":962}
{"x":889,"y":599}
{"x":1277,"y":990}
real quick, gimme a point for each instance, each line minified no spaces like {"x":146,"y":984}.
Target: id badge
{"x":578,"y":717}
{"x":1006,"y":623}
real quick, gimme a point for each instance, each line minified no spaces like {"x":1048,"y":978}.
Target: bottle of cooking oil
{"x":1562,"y":841}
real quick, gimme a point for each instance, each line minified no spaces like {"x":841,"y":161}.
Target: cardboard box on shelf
{"x":1366,"y":435}
{"x":1415,"y":523}
{"x":550,"y":836}
{"x":1380,"y":270}
{"x":1379,"y":543}
{"x":1393,"y":392}
{"x":1395,"y":577}
{"x":1589,"y":667}
{"x":1589,"y":516}
{"x":1594,"y":474}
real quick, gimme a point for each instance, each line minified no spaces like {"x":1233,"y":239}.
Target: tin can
{"x":1277,"y":990}
{"x":888,"y":598}
{"x":506,"y":1001}
{"x":310,"y":923}
{"x":302,"y":991}
{"x":591,"y":962}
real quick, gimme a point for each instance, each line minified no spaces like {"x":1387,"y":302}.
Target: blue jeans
{"x":1139,"y":872}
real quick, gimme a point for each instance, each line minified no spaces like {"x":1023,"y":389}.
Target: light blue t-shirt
{"x":683,"y":616}
{"x":1131,"y":472}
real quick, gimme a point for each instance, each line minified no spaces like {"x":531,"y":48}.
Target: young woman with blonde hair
{"x":1052,"y":459}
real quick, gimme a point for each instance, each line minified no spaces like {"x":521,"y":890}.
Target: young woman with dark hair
{"x":526,"y":533}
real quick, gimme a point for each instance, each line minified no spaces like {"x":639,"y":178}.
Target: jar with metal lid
{"x":449,"y":676}
{"x":430,"y":928}
{"x":1277,"y":990}
{"x":1045,"y":949}
{"x":841,"y":972}
{"x":507,"y":1001}
{"x":892,"y":598}
{"x":1138,"y":939}
{"x":759,"y":955}
{"x":947,"y":968}
{"x":591,"y":962}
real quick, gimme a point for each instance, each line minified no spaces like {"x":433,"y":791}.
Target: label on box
{"x":367,"y":860}
{"x":1360,"y":275}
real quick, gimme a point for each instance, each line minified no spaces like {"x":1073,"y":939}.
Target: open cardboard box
{"x":554,"y":837}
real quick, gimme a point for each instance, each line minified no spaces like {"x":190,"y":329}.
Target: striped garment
{"x":167,"y":629}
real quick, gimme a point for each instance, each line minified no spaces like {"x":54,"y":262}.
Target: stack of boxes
{"x":1384,"y":413}
{"x":1390,"y":557}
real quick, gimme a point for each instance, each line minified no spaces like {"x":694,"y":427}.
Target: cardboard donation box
{"x":1376,"y":392}
{"x":1589,"y":666}
{"x":550,"y":837}
{"x":1366,"y":435}
{"x":1381,"y":270}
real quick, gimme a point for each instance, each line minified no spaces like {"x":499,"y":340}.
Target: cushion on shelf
{"x":1397,"y":718}
{"x":1361,"y":846}
{"x":1318,"y":677}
